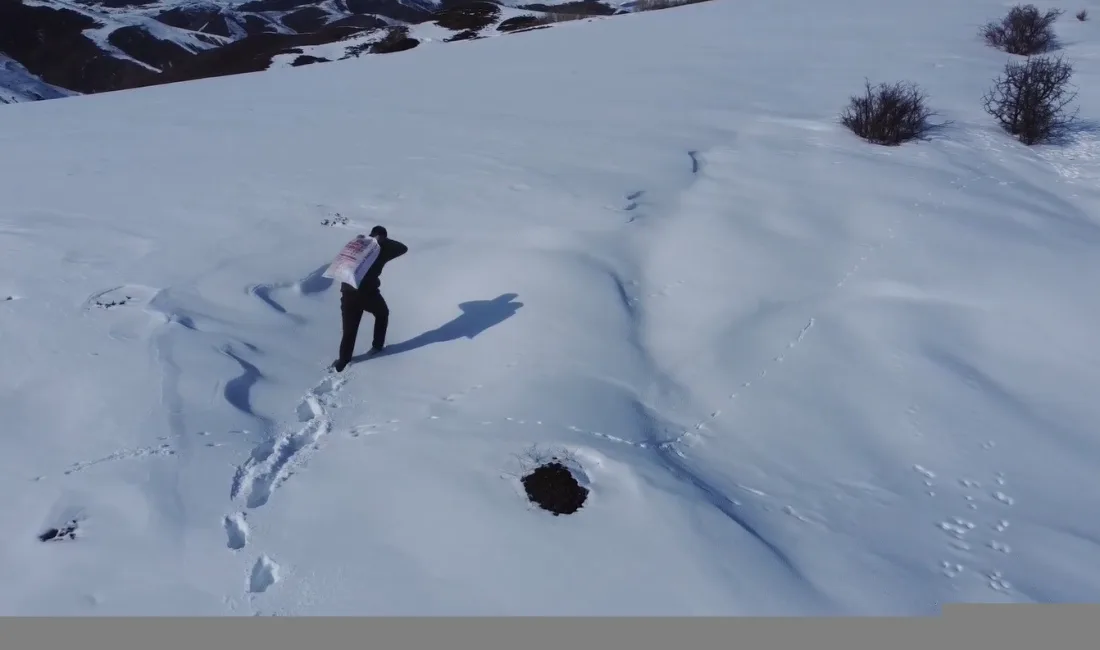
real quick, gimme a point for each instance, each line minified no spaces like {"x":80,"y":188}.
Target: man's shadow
{"x":477,"y":316}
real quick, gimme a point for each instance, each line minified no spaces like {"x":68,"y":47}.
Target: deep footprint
{"x":308,"y":409}
{"x":265,"y":574}
{"x":236,"y":531}
{"x":264,"y":484}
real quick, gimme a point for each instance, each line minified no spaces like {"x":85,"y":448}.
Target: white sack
{"x":353,"y":262}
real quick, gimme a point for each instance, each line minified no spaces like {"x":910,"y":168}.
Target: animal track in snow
{"x":265,"y":574}
{"x":123,"y":454}
{"x":461,"y":394}
{"x":959,"y":529}
{"x":924,"y":472}
{"x":763,"y":372}
{"x":951,"y":569}
{"x":997,"y":581}
{"x":236,"y":531}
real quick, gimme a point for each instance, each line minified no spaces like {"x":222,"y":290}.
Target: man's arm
{"x":393,"y":249}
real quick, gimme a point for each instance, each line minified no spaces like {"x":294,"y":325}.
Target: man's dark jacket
{"x":372,"y":281}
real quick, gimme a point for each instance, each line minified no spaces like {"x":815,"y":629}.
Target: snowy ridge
{"x":18,"y":85}
{"x":129,"y":46}
{"x":796,"y":373}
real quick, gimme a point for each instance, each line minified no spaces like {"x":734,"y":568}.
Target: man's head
{"x":378,"y":232}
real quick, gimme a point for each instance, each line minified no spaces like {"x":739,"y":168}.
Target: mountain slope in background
{"x":19,"y":85}
{"x":796,"y":373}
{"x":91,"y":46}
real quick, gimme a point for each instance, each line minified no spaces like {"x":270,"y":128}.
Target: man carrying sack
{"x":359,"y":269}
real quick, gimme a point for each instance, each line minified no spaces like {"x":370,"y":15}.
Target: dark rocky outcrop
{"x":143,"y":46}
{"x":306,"y":59}
{"x":207,"y":19}
{"x":391,"y":9}
{"x":251,"y":54}
{"x":364,"y":21}
{"x":206,"y":38}
{"x":51,"y":45}
{"x":578,"y":8}
{"x":470,"y":15}
{"x":397,"y":40}
{"x":306,"y":19}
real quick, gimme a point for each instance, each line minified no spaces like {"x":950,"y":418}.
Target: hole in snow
{"x":554,"y":488}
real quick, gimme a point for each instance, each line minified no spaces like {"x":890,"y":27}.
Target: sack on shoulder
{"x":354,"y":260}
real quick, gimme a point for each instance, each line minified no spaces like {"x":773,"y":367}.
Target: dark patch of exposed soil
{"x":398,"y":40}
{"x":578,"y":8}
{"x":517,"y":22}
{"x":468,"y":35}
{"x":553,"y":487}
{"x":68,"y":531}
{"x":472,"y":15}
{"x":306,"y":59}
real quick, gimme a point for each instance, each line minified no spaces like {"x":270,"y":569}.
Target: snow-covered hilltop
{"x":19,"y":85}
{"x":91,"y":46}
{"x":783,"y":370}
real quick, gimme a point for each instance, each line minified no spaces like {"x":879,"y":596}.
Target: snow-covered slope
{"x":19,"y":85}
{"x":93,"y":46}
{"x":799,"y":373}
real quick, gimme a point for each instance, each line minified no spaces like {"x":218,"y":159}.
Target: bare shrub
{"x":1030,"y":99}
{"x":1024,"y":30}
{"x":1083,"y":15}
{"x":888,"y":114}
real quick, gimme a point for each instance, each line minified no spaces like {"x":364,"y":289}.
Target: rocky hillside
{"x":19,"y":85}
{"x":55,"y":48}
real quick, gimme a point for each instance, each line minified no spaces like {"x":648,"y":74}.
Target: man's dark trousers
{"x":352,"y":305}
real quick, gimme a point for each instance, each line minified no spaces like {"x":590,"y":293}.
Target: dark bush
{"x":467,"y":16}
{"x":517,"y":22}
{"x":397,"y":40}
{"x":306,"y":59}
{"x":1024,"y":30}
{"x":888,"y":114}
{"x":577,"y":7}
{"x":1083,"y":15}
{"x":468,"y":35}
{"x":1030,"y":99}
